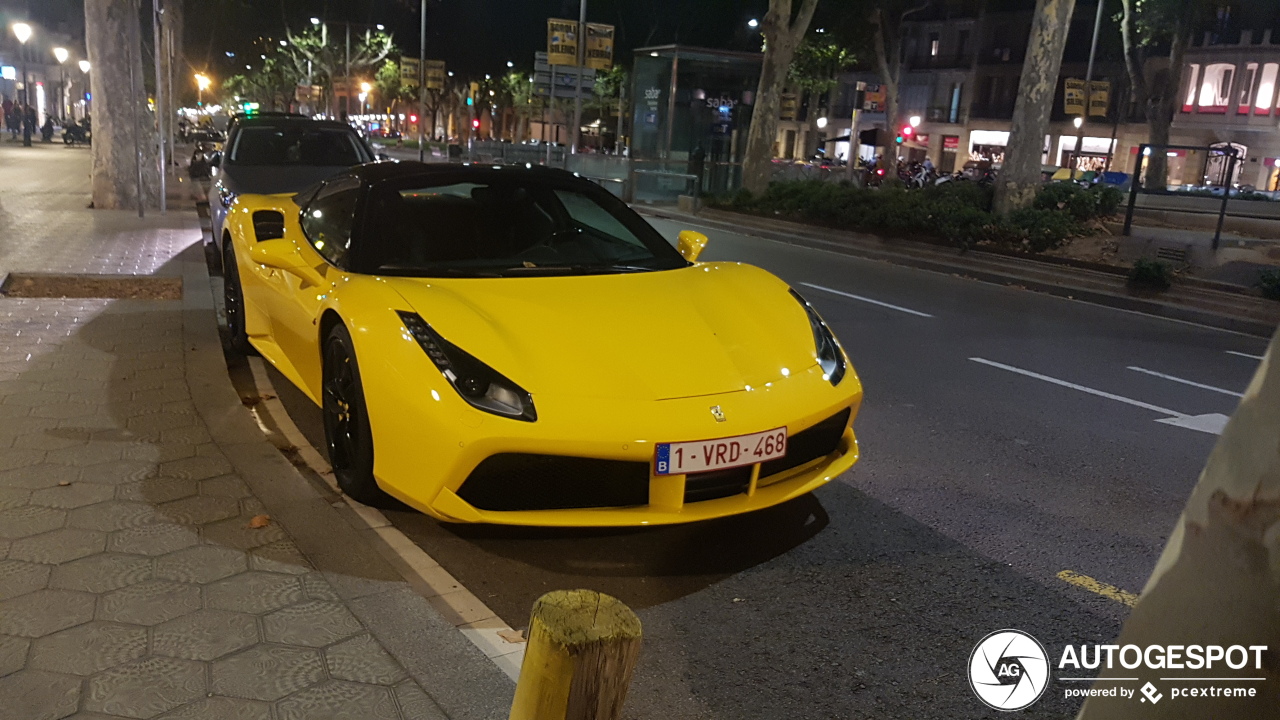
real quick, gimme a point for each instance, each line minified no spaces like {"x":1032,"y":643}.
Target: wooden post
{"x":583,"y":646}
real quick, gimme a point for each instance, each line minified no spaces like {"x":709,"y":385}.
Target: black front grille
{"x":716,"y":484}
{"x":523,"y":481}
{"x":818,"y":441}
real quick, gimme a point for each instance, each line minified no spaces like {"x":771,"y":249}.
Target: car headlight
{"x":226,"y":197}
{"x":480,"y":385}
{"x":830,"y":358}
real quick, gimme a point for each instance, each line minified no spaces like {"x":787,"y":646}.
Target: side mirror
{"x":691,"y":244}
{"x":279,"y":254}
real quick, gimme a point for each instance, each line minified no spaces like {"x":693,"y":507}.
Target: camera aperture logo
{"x":1008,"y":670}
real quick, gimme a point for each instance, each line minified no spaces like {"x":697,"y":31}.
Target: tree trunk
{"x":1217,"y":581}
{"x":1020,"y":177}
{"x":888,"y":45}
{"x":1162,"y":103}
{"x":120,"y":114}
{"x":782,"y":35}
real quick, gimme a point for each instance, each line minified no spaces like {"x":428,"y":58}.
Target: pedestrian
{"x":13,"y":119}
{"x":28,"y":125}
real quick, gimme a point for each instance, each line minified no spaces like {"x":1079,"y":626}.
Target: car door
{"x":295,"y":307}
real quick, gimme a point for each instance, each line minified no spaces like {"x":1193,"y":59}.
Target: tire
{"x":347,"y":435}
{"x":233,"y":301}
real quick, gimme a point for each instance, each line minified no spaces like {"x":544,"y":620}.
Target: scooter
{"x":75,"y":133}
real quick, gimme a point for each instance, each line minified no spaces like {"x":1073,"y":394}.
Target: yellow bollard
{"x":583,"y":646}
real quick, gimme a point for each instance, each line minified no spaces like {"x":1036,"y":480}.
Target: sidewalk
{"x":134,"y":581}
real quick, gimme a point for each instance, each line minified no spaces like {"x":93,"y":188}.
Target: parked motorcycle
{"x":76,"y":133}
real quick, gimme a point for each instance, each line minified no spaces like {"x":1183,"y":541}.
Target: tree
{"x":817,"y":62}
{"x":122,"y":124}
{"x":517,"y":87}
{"x":887,"y":16}
{"x":1020,"y":176}
{"x":327,"y":53}
{"x":1144,"y":26}
{"x":782,"y":33}
{"x":608,"y":96}
{"x":1216,"y":581}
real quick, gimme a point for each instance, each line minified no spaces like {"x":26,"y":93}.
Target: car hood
{"x":272,"y":179}
{"x":703,"y":330}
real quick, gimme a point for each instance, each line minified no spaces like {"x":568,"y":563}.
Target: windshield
{"x":514,"y":226}
{"x":297,"y":145}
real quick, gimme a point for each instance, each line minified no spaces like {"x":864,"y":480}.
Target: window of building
{"x":1215,"y":87}
{"x":933,"y":44}
{"x":1265,"y":99}
{"x":962,"y":43}
{"x":1246,"y":89}
{"x":953,"y":113}
{"x":1193,"y":75}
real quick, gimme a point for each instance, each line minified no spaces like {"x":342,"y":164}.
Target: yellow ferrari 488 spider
{"x":516,"y":345}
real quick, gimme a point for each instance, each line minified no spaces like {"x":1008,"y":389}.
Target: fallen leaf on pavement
{"x":259,"y":521}
{"x":64,"y":483}
{"x":512,"y":636}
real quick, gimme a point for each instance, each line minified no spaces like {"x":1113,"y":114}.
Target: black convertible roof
{"x":377,"y":172}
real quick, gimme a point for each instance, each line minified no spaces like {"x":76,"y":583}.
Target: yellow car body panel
{"x":615,"y":364}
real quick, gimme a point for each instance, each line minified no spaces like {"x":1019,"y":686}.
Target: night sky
{"x":474,"y":36}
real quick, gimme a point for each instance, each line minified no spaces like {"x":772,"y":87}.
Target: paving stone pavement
{"x":131,"y":583}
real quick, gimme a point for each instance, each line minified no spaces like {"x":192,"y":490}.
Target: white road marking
{"x":1202,"y":386}
{"x":841,"y":293}
{"x":1211,"y":423}
{"x":1244,"y":355}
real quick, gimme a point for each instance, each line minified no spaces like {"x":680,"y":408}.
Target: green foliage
{"x":1109,"y":198}
{"x":957,"y":212}
{"x":1269,"y":283}
{"x":1149,"y":274}
{"x":817,"y":62}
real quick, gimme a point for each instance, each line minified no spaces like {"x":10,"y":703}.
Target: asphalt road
{"x":980,"y":481}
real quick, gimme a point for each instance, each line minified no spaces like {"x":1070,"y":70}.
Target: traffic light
{"x":475,"y":123}
{"x":413,"y":118}
{"x":904,"y":134}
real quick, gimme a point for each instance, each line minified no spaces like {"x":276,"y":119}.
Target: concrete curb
{"x":461,"y":680}
{"x":1255,"y":316}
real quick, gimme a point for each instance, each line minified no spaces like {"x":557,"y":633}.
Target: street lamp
{"x":914,"y":120}
{"x":84,"y":68}
{"x":510,"y":64}
{"x":822,"y":122}
{"x":1078,"y":122}
{"x":23,"y":32}
{"x":202,"y":83}
{"x":315,"y":21}
{"x":753,"y":23}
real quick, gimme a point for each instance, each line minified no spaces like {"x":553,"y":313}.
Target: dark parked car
{"x":278,"y":154}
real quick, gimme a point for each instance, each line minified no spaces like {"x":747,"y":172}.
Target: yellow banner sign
{"x":562,"y":42}
{"x":1073,"y":97}
{"x":1099,"y":98}
{"x":599,"y":46}
{"x":409,"y":71}
{"x":435,"y":74}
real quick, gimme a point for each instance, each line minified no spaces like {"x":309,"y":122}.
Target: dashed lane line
{"x":1111,"y":592}
{"x":1192,"y":383}
{"x":880,"y":303}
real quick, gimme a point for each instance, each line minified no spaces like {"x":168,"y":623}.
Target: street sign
{"x":1073,"y":96}
{"x":599,"y":46}
{"x":562,"y":42}
{"x":1099,"y":98}
{"x":435,"y":74}
{"x":873,"y":98}
{"x":566,"y":78}
{"x":409,"y":71}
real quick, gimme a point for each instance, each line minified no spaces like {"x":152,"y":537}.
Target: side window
{"x":328,"y":219}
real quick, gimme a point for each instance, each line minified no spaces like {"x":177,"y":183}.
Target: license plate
{"x":682,"y":458}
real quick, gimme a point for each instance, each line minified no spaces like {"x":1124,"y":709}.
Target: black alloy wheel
{"x":233,"y":301}
{"x":347,"y":435}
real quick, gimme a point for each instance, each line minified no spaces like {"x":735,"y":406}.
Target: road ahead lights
{"x":22,"y":31}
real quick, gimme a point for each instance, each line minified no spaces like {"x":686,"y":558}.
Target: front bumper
{"x":425,"y":463}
